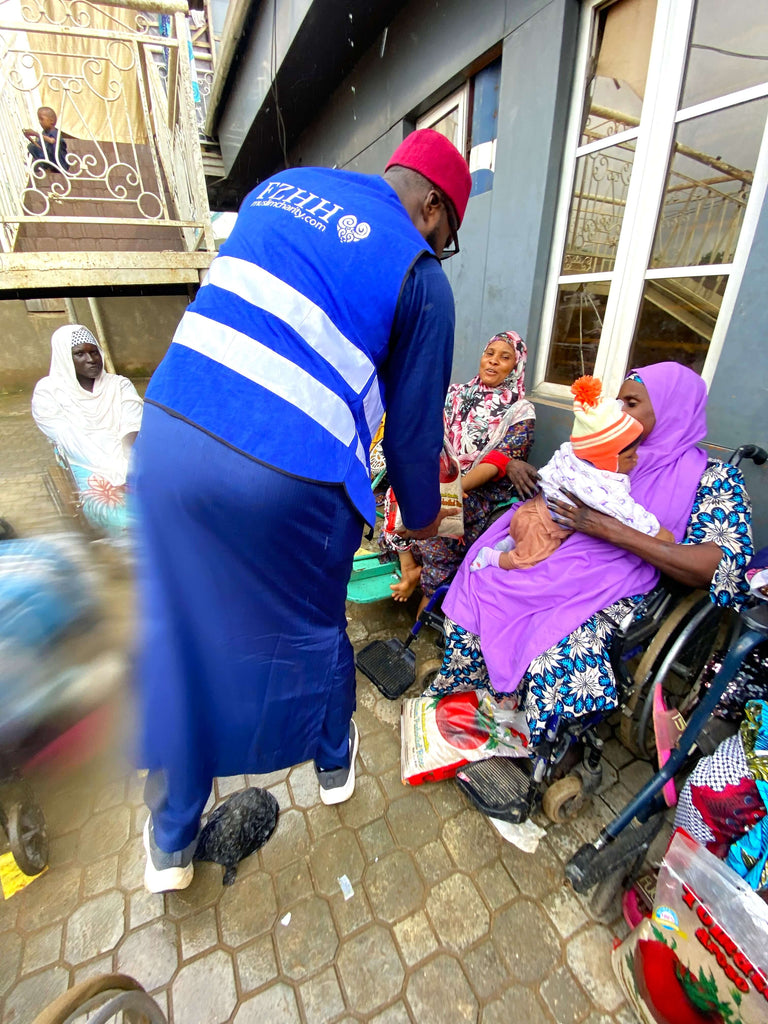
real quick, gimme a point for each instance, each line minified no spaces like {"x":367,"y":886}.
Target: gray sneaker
{"x":338,"y":785}
{"x":166,"y":872}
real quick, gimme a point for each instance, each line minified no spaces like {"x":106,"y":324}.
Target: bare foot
{"x":409,"y":580}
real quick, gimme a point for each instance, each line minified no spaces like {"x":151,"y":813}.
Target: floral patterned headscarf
{"x":478,"y":416}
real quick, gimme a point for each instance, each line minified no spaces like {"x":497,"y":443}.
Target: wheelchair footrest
{"x":389,"y":665}
{"x":501,"y":787}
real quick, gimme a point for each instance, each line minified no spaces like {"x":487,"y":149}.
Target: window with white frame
{"x":469,"y":118}
{"x":667,"y":164}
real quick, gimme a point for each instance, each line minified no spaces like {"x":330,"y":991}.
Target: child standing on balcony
{"x":593,"y":466}
{"x":46,"y":144}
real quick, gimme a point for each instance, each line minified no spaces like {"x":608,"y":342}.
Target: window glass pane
{"x":449,"y":126}
{"x":677,"y":317}
{"x":708,"y":186}
{"x":485,"y":116}
{"x":597,"y":209}
{"x":578,"y":325}
{"x":620,"y":60}
{"x":728,"y":51}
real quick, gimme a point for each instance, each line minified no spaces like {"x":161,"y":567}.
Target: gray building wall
{"x":498,"y":278}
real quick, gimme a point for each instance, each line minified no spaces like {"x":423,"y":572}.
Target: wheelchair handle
{"x":754,"y":452}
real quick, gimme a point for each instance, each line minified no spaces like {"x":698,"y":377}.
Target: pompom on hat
{"x":436,"y":157}
{"x":601,"y":427}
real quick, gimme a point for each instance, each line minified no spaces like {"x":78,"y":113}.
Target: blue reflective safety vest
{"x":279,"y":353}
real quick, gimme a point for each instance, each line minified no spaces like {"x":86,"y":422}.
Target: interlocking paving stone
{"x":132,"y":860}
{"x":321,"y":997}
{"x":535,"y":874}
{"x":69,"y":809}
{"x":486,"y":969}
{"x":62,"y":849}
{"x":495,"y":884}
{"x":288,"y":842}
{"x":104,"y":833}
{"x":370,"y":969}
{"x":334,"y":855}
{"x":393,"y":886}
{"x":144,"y":906}
{"x":438,"y":993}
{"x":457,"y":912}
{"x":204,"y":991}
{"x":376,"y":839}
{"x":198,"y":933}
{"x":323,"y":820}
{"x":513,"y":930}
{"x":517,"y":1004}
{"x":415,"y":938}
{"x":276,"y":1005}
{"x":229,"y":784}
{"x":470,"y":840}
{"x":151,"y":954}
{"x":395,"y":1014}
{"x":256,"y":963}
{"x":413,"y":821}
{"x":52,"y":897}
{"x":10,"y":961}
{"x":246,"y":909}
{"x":303,"y":785}
{"x":565,"y":911}
{"x":393,"y":785}
{"x":206,"y":888}
{"x":434,"y":862}
{"x":446,"y":798}
{"x":368,"y":803}
{"x":589,"y":959}
{"x":94,"y":968}
{"x":95,"y":927}
{"x":381,"y":750}
{"x":33,"y":994}
{"x":41,"y":949}
{"x":109,"y":796}
{"x":293,"y":883}
{"x":564,"y":997}
{"x":100,"y":876}
{"x":350,"y":915}
{"x":309,"y":940}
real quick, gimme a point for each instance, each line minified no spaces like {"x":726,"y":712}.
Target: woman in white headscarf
{"x":93,"y":417}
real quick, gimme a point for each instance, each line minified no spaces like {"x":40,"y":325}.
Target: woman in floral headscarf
{"x":92,"y":417}
{"x":489,"y":424}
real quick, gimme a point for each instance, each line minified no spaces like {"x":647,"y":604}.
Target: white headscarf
{"x":88,"y":425}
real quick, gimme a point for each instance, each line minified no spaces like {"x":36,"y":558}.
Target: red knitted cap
{"x":436,"y":157}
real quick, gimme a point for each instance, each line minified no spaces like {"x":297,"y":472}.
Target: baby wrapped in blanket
{"x":593,"y":465}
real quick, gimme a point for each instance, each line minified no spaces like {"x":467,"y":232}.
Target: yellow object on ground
{"x":12,"y":878}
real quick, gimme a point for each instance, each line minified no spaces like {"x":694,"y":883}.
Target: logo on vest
{"x":350,"y":231}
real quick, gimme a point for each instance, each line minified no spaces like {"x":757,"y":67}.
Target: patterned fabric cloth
{"x":574,"y":676}
{"x":749,"y":854}
{"x":439,"y":557}
{"x":103,"y":502}
{"x":478,"y":420}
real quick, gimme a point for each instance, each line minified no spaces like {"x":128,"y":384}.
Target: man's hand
{"x":427,"y":531}
{"x":523,"y":477}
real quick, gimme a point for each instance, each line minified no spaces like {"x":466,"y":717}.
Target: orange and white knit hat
{"x":601,"y":428}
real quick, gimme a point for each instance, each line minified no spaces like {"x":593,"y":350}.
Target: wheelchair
{"x":672,"y":632}
{"x":109,"y":997}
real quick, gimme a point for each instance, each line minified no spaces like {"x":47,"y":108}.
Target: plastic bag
{"x":451,"y":498}
{"x":440,"y":734}
{"x":702,"y":957}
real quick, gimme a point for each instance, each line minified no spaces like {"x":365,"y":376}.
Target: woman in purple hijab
{"x":538,"y":630}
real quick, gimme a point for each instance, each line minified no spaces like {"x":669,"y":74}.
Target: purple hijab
{"x":518,"y":614}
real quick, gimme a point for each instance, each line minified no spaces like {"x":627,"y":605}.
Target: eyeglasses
{"x":452,"y":246}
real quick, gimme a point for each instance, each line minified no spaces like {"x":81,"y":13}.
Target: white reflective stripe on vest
{"x":260,"y":288}
{"x":373,"y":407}
{"x":269,"y":369}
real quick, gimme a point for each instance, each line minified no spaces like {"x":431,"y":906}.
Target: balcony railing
{"x":132,"y":174}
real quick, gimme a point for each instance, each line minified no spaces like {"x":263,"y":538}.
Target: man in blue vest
{"x":327,"y":305}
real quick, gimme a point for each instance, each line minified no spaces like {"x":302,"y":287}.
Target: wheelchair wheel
{"x":111,"y":997}
{"x":427,"y":671}
{"x":27,"y":836}
{"x":649,"y":666}
{"x":679,"y":672}
{"x":563,"y":799}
